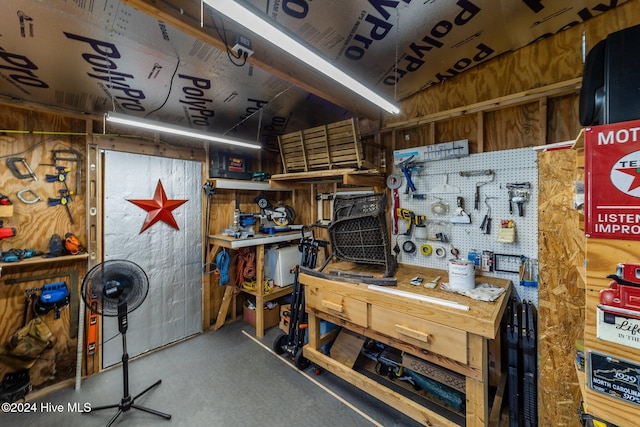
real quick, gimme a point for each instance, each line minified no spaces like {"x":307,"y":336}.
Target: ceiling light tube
{"x":243,"y":16}
{"x":123,"y":119}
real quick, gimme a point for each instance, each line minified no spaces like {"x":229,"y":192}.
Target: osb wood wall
{"x":552,"y":60}
{"x":35,"y":224}
{"x":561,"y":308}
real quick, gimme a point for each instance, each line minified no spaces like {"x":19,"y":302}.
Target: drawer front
{"x":346,"y":308}
{"x":433,"y":337}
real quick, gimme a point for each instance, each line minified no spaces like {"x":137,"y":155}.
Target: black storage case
{"x":611,"y":80}
{"x":224,"y":164}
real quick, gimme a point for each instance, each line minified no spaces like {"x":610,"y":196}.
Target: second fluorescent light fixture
{"x":175,"y":130}
{"x":243,"y":16}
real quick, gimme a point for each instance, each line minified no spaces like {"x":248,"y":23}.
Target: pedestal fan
{"x":116,"y":288}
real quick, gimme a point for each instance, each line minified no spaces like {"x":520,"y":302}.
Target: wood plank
{"x":224,"y":307}
{"x":377,"y":390}
{"x":346,"y":347}
{"x":519,"y":98}
{"x":477,"y":395}
{"x":281,"y":149}
{"x":496,"y":408}
{"x":560,"y":299}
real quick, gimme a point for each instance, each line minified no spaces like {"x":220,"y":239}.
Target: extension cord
{"x":222,"y":262}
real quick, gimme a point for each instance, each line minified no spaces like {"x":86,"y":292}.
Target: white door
{"x":171,"y":257}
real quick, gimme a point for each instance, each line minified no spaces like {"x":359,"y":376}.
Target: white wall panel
{"x":171,"y":258}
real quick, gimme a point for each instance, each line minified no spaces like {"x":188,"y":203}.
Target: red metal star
{"x":635,"y":173}
{"x":159,"y":208}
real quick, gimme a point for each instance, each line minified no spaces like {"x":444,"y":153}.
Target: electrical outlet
{"x":242,"y":46}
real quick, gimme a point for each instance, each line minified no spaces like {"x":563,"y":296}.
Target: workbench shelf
{"x":221,"y":242}
{"x":275,"y":293}
{"x":403,"y":388}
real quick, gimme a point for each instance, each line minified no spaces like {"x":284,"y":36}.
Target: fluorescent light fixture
{"x":252,"y":22}
{"x":175,"y":130}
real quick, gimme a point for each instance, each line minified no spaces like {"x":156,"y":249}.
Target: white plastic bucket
{"x":462,"y":274}
{"x":421,"y":232}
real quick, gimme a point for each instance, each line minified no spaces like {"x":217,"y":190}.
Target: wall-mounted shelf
{"x":42,"y":260}
{"x":238,"y":184}
{"x":362,"y":178}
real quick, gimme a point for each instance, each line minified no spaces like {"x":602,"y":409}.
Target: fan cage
{"x":132,"y":277}
{"x":358,"y":231}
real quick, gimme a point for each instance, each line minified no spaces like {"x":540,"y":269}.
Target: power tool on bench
{"x":280,"y":215}
{"x":271,"y":219}
{"x":15,"y":255}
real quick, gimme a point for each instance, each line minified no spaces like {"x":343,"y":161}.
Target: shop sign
{"x":612,"y":181}
{"x":614,"y":377}
{"x":618,"y":329}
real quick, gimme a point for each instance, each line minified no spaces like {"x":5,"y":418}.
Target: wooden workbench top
{"x":482,"y":318}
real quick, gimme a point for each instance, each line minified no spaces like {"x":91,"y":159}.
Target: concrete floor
{"x":225,"y":378}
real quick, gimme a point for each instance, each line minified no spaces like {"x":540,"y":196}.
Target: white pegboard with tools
{"x":505,"y":222}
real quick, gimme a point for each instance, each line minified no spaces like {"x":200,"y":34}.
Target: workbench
{"x":259,"y":241}
{"x":447,"y":335}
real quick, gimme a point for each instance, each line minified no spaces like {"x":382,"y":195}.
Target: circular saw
{"x":282,"y":215}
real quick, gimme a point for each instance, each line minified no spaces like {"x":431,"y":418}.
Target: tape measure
{"x":426,"y":249}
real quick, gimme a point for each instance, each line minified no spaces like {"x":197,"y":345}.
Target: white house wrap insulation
{"x":171,"y":257}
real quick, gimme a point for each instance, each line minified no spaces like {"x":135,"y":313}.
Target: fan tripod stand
{"x":127,"y":401}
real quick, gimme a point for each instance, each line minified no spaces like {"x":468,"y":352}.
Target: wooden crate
{"x":336,"y":145}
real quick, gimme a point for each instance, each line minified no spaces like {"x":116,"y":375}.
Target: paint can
{"x":462,"y":274}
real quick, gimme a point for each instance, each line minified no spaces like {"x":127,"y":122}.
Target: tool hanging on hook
{"x":476,"y":199}
{"x":486,"y":221}
{"x":70,"y":155}
{"x":518,"y":194}
{"x":407,"y":167}
{"x":34,"y":197}
{"x":394,"y":182}
{"x":11,"y":164}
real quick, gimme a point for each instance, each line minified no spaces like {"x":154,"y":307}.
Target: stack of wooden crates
{"x":331,"y":146}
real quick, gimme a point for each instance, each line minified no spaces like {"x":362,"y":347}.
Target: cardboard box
{"x":271,"y":316}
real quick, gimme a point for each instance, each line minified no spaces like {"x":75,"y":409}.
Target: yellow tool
{"x":411,"y":217}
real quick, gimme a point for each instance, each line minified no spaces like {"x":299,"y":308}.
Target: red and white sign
{"x":612,"y":185}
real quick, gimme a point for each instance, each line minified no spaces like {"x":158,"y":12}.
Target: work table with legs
{"x":450,"y":335}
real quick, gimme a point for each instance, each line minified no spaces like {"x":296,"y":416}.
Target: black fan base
{"x":127,"y":403}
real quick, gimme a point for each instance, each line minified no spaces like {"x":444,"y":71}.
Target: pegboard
{"x":509,"y":166}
